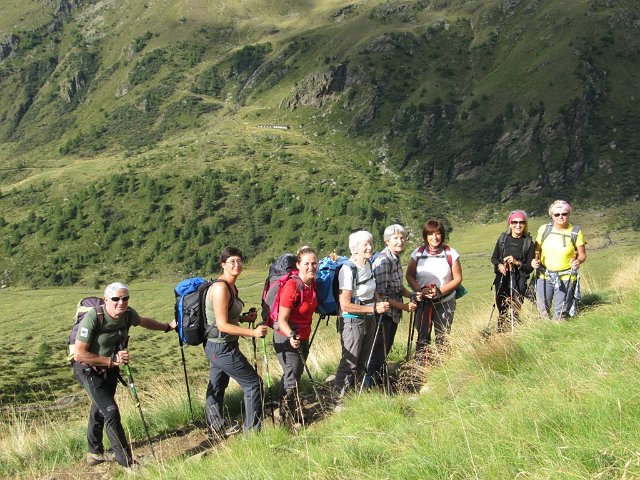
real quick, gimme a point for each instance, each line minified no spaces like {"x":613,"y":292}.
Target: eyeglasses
{"x":234,"y":262}
{"x":117,"y":299}
{"x":518,"y":222}
{"x":561,"y":214}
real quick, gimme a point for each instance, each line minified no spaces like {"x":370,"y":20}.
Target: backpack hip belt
{"x":553,"y":275}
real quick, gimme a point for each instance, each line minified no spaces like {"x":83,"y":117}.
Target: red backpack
{"x":281,"y":270}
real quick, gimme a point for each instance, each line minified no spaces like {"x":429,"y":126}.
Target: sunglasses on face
{"x":117,"y":299}
{"x":518,"y":222}
{"x":561,"y":214}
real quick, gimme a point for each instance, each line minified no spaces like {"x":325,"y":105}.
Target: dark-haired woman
{"x":298,"y":302}
{"x":512,"y":258}
{"x":223,"y":312}
{"x":435,"y":271}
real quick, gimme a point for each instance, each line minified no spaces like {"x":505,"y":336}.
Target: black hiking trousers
{"x":104,"y":412}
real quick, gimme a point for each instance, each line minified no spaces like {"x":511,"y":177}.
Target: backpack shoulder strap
{"x":502,"y":241}
{"x":526,"y":245}
{"x":233,"y":292}
{"x":546,"y":233}
{"x":300,"y":287}
{"x":100,"y":317}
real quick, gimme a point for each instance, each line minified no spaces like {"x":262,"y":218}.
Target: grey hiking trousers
{"x":227,"y":361}
{"x":356,"y":337}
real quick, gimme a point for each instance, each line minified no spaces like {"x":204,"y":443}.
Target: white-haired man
{"x":99,"y":351}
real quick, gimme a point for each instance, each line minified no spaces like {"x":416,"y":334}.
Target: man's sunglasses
{"x":117,"y":299}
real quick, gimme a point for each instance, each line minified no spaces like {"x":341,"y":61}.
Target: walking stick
{"x":134,"y":395}
{"x":511,"y":298}
{"x":252,"y":325}
{"x":570,"y":288}
{"x":316,"y":328}
{"x":313,"y":383}
{"x":409,"y":337}
{"x":385,"y":368}
{"x":487,"y":331}
{"x":268,"y":377}
{"x":373,"y":347}
{"x":186,"y":378}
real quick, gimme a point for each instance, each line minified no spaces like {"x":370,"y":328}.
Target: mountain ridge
{"x":442,"y":107}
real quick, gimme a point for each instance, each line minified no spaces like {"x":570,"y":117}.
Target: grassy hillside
{"x":141,"y":132}
{"x":538,"y":403}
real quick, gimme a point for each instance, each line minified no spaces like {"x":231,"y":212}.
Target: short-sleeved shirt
{"x":388,"y":272}
{"x":434,"y":269}
{"x":302,"y":309}
{"x":365,"y":285}
{"x":557,"y":250}
{"x":110,"y":337}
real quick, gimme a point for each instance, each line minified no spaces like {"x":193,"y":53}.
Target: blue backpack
{"x":190,"y":311}
{"x":327,"y":284}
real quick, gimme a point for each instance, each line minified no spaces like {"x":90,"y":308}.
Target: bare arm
{"x":411,"y":275}
{"x":83,"y":355}
{"x":220,"y":297}
{"x":348,"y":307}
{"x":152,"y":324}
{"x":582,"y":256}
{"x":450,"y":286}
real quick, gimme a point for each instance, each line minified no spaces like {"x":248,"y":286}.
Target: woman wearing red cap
{"x":512,"y":258}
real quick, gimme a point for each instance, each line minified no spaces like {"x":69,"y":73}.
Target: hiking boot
{"x":94,"y":459}
{"x":234,"y":429}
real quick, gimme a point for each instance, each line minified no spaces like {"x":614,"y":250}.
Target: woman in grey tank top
{"x":223,"y":310}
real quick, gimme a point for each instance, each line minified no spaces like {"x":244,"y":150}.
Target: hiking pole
{"x":186,"y":378}
{"x":316,"y":328}
{"x":385,"y":367}
{"x":511,"y":297}
{"x":252,"y":325}
{"x":486,"y":331}
{"x":136,"y":400}
{"x":313,"y":383}
{"x":268,"y":377}
{"x":570,"y":288}
{"x":373,"y":347}
{"x":409,"y":337}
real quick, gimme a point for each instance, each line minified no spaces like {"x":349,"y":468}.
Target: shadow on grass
{"x":593,"y":300}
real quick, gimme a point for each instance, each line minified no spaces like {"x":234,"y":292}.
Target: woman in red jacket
{"x":298,"y":302}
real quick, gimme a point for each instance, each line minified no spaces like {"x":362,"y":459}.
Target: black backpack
{"x":190,"y":310}
{"x":526,"y":245}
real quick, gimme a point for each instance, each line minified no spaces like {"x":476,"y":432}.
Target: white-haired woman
{"x":358,"y":306}
{"x":387,"y":270}
{"x":512,"y":258}
{"x":560,"y":249}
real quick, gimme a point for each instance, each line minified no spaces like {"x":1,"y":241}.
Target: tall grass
{"x":551,"y":400}
{"x":556,"y":400}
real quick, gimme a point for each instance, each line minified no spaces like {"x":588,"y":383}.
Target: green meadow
{"x":551,"y":401}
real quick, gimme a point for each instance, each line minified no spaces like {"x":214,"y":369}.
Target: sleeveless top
{"x":233,"y":316}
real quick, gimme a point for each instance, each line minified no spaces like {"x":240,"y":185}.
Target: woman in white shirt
{"x":359,"y":306}
{"x":435,"y":271}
